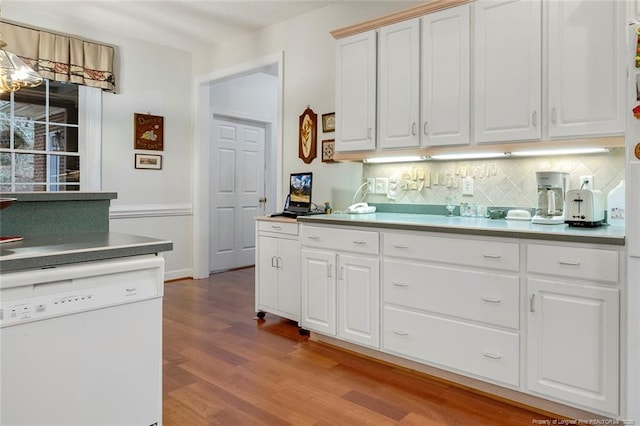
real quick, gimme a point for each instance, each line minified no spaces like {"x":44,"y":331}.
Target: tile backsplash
{"x":507,"y":182}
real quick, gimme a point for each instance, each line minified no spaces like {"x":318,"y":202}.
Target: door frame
{"x":201,"y":152}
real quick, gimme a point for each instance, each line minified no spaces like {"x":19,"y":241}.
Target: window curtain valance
{"x":60,"y":57}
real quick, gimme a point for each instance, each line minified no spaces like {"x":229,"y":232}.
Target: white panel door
{"x":319,"y":291}
{"x":356,"y":92}
{"x":445,"y":77}
{"x":572,"y":343}
{"x":398,"y":85}
{"x":359,"y":300}
{"x":508,"y":70}
{"x":587,"y":72}
{"x":237,"y":185}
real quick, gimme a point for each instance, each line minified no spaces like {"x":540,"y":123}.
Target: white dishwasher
{"x":81,"y":344}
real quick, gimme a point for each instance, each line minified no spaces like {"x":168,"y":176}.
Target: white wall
{"x":155,"y":79}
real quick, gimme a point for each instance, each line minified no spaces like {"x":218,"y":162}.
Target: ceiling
{"x":184,"y":24}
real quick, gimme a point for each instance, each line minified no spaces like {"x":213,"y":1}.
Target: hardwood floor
{"x":223,"y":367}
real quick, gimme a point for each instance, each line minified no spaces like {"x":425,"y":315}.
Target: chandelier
{"x":14,"y":73}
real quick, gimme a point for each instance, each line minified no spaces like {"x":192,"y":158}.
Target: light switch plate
{"x":467,"y":186}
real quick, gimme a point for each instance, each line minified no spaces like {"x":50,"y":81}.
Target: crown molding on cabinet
{"x":602,"y":142}
{"x":402,"y":15}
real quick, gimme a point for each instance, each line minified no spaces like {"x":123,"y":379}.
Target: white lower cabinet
{"x":541,"y":318}
{"x":573,"y":328}
{"x":319,"y":291}
{"x":573,"y":343}
{"x":359,"y":299}
{"x":340,"y":284}
{"x":278,"y":269}
{"x":470,"y":348}
{"x":453,"y":303}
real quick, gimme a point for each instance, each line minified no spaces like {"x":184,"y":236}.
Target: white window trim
{"x":90,"y":138}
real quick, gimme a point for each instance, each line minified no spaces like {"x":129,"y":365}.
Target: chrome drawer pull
{"x":491,"y":256}
{"x":313,"y":237}
{"x":491,"y":299}
{"x":400,"y":246}
{"x":569,"y":262}
{"x":360,"y":243}
{"x":276,"y":227}
{"x":491,"y":355}
{"x":401,"y":284}
{"x":400,"y":332}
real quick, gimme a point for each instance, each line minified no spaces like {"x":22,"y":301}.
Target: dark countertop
{"x":45,"y":251}
{"x":59,"y":196}
{"x":606,"y":234}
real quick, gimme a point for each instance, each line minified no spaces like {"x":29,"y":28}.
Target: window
{"x":44,"y":134}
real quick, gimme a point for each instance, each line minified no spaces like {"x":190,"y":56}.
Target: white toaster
{"x":585,"y":207}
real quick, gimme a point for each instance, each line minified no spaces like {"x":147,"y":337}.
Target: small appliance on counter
{"x":585,"y":207}
{"x":551,"y":198}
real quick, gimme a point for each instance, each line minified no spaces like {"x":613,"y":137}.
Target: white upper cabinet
{"x":507,"y":60}
{"x":398,"y":85}
{"x":586,"y":83}
{"x":445,"y":77}
{"x":356,"y":92}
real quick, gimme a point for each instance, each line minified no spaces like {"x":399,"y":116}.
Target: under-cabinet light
{"x":468,"y":156}
{"x":395,"y":159}
{"x":559,"y":151}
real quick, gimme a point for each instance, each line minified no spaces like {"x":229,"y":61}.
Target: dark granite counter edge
{"x":59,"y":196}
{"x":475,"y":231}
{"x":46,"y":261}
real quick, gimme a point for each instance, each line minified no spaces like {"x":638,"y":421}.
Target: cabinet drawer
{"x":289,"y":228}
{"x":478,"y":296}
{"x":486,"y":254}
{"x":573,"y":262}
{"x":481,"y":351}
{"x":340,"y":239}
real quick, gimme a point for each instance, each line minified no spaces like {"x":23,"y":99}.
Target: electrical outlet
{"x":382,"y":185}
{"x":586,"y":182}
{"x":371,"y":185}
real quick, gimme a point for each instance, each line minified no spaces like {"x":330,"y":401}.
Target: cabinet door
{"x":398,"y":88}
{"x":507,"y":83}
{"x":359,"y":300}
{"x":356,"y":92}
{"x":445,"y":77}
{"x":289,"y":278}
{"x":319,"y":291}
{"x":267,"y":271}
{"x":587,"y":73}
{"x":572,"y":350}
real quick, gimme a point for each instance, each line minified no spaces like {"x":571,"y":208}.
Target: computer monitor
{"x":300,"y":192}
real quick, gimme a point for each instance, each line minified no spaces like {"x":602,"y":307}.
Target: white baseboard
{"x":178,"y":274}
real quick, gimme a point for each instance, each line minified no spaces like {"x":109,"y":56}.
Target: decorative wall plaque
{"x":148,"y":132}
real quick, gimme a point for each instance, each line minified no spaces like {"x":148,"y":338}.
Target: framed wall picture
{"x":148,"y":132}
{"x":328,"y":149}
{"x":148,"y":161}
{"x":329,"y":122}
{"x":308,"y":134}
